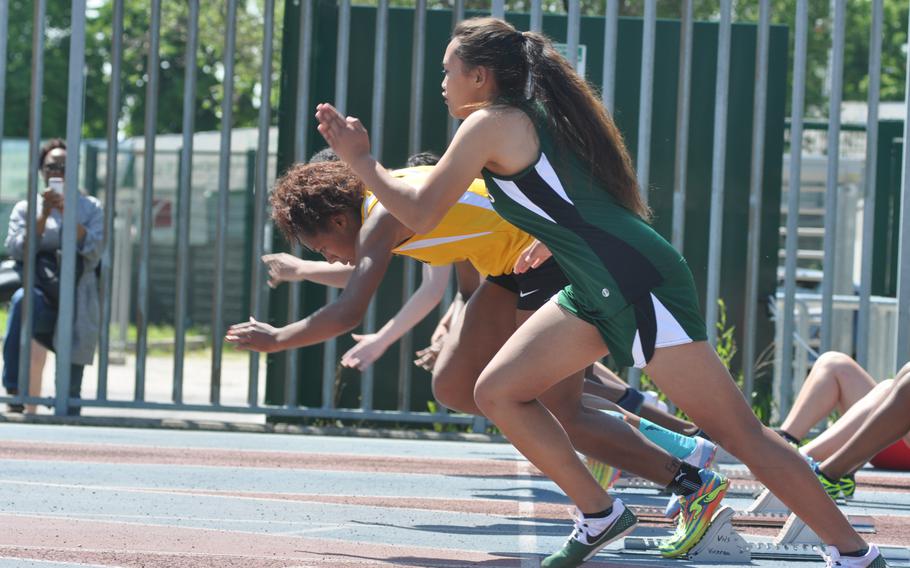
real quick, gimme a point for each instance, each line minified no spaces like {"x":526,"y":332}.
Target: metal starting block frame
{"x":795,"y":541}
{"x":795,"y":530}
{"x":739,"y":489}
{"x":721,"y":543}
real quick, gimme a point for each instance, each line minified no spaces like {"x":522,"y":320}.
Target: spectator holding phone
{"x":89,"y":236}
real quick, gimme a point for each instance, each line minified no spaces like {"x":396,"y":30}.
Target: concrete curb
{"x":218,"y":426}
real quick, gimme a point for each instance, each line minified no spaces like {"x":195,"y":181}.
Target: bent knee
{"x":453,"y":393}
{"x":901,"y":388}
{"x":491,"y":389}
{"x":835,"y":359}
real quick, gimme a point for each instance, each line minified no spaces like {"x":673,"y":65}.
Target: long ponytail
{"x":526,"y":66}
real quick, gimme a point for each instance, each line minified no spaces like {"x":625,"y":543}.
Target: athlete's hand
{"x":283,"y":267}
{"x":532,"y":257}
{"x":426,"y":357}
{"x":254,"y":336}
{"x":369,"y":348}
{"x":346,"y":135}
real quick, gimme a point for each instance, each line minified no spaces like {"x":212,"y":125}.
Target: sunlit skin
{"x":503,"y":140}
{"x":463,"y":87}
{"x":338,"y":242}
{"x":366,"y":246}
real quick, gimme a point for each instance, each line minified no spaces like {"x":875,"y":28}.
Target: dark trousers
{"x":43,"y":322}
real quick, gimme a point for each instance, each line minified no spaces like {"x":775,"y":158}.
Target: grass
{"x":156,"y":334}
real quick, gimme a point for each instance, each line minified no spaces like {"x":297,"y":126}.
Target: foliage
{"x":18,"y":70}
{"x":783,"y":12}
{"x":209,"y":57}
{"x":173,"y":39}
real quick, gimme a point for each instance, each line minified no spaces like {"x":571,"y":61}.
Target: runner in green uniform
{"x":556,"y":167}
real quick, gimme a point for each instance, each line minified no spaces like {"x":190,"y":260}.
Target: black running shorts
{"x":534,"y":287}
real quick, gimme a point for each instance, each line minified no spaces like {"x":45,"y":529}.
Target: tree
{"x":174,"y":31}
{"x":19,"y":64}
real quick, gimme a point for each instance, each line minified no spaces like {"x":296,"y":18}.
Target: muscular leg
{"x":695,"y":379}
{"x":523,"y":370}
{"x":489,"y":319}
{"x":601,"y":436}
{"x":882,"y":427}
{"x":604,"y":383}
{"x":836,"y":381}
{"x":840,"y":432}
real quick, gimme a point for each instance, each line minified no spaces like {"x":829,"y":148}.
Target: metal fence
{"x":790,"y":307}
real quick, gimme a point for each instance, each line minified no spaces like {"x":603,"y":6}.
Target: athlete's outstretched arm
{"x":421,"y":209}
{"x":284,"y":267}
{"x":379,"y":235}
{"x":371,"y":346}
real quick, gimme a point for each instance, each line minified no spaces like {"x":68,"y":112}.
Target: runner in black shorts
{"x":536,"y":286}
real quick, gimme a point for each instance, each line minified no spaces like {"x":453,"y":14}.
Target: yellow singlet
{"x":471,"y":230}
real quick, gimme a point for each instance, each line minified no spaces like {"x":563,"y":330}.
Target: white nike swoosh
{"x":523,"y":294}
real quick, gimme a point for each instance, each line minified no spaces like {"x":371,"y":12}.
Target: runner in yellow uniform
{"x":327,"y":209}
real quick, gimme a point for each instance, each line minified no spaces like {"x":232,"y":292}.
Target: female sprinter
{"x":556,"y":166}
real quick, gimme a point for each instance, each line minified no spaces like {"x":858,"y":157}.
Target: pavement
{"x":76,"y":495}
{"x":99,"y":496}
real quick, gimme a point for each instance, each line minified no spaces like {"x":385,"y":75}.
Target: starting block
{"x":796,"y":541}
{"x":720,"y":544}
{"x":795,"y":530}
{"x":767,"y":503}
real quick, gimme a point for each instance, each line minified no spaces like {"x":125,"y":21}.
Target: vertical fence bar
{"x":4,"y":40}
{"x":536,"y":16}
{"x":302,"y":121}
{"x":262,"y":188}
{"x":31,"y":240}
{"x":831,"y":189}
{"x":457,"y":16}
{"x":903,"y":255}
{"x":646,"y":96}
{"x":611,"y":33}
{"x":342,"y":63}
{"x":74,"y":112}
{"x":110,"y":200}
{"x":498,"y":9}
{"x":573,"y":32}
{"x":224,"y":188}
{"x":756,"y":180}
{"x":865,"y":287}
{"x":785,"y":394}
{"x":418,"y":60}
{"x":185,"y":200}
{"x":683,"y":108}
{"x":148,"y":178}
{"x":377,"y":131}
{"x":415,"y":138}
{"x":718,"y":169}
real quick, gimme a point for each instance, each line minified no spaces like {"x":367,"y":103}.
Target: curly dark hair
{"x":307,"y":196}
{"x":51,"y":144}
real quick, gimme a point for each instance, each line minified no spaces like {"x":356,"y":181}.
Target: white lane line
{"x":527,"y":535}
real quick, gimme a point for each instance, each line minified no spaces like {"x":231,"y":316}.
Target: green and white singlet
{"x":626,"y":279}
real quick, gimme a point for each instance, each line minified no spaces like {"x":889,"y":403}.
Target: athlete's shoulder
{"x":495,"y":118}
{"x":379,"y":222}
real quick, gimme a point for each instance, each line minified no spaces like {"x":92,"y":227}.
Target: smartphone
{"x":56,"y":184}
